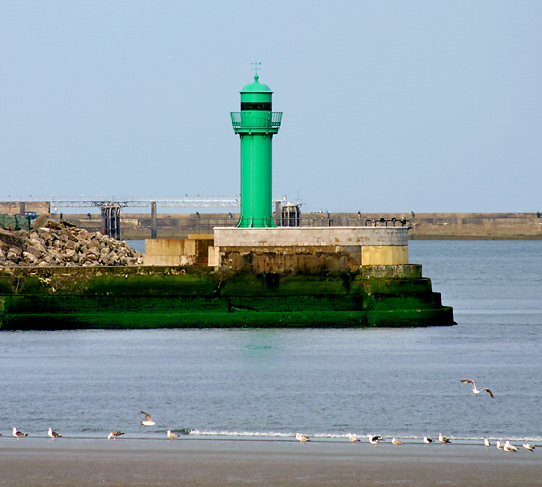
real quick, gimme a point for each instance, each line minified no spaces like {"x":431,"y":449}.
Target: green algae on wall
{"x":143,"y":297}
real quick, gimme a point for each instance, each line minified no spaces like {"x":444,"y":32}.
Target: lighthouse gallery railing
{"x":257,"y":120}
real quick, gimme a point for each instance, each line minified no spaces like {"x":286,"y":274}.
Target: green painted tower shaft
{"x":256,"y":169}
{"x":256,"y":124}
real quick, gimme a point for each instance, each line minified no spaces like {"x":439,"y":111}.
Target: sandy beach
{"x":214,"y":462}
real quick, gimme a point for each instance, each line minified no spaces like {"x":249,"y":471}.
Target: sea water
{"x":271,"y":383}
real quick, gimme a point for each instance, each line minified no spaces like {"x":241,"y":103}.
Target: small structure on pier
{"x":111,"y":220}
{"x":290,"y":215}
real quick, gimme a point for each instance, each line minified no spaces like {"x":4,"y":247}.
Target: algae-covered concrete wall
{"x":51,"y":298}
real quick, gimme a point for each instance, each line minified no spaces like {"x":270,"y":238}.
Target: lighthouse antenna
{"x":256,"y":66}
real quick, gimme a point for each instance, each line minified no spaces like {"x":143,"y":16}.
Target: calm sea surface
{"x":272,"y":383}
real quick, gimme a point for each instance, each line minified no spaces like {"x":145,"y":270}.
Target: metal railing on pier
{"x":385,"y":222}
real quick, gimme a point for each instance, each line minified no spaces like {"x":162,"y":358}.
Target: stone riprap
{"x":52,"y":243}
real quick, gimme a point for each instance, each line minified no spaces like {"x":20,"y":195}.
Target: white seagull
{"x":302,"y":438}
{"x":18,"y":434}
{"x":374,"y":439}
{"x":486,"y":442}
{"x":474,"y":390}
{"x":353,"y":438}
{"x":509,"y":447}
{"x":427,"y":440}
{"x":53,"y":434}
{"x":499,"y":445}
{"x":529,"y":446}
{"x":395,"y":441}
{"x":443,"y":439}
{"x":115,"y":434}
{"x":148,"y":420}
{"x":172,"y":435}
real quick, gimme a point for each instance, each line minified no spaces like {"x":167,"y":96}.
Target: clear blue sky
{"x":389,"y":106}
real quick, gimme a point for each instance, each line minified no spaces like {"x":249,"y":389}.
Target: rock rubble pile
{"x":51,"y":243}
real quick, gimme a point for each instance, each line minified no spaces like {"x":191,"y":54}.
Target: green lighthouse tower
{"x":256,"y":124}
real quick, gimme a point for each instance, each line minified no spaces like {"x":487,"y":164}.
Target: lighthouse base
{"x":256,"y":223}
{"x":308,"y":249}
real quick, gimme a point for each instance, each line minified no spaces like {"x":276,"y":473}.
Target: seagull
{"x":508,"y":447}
{"x":353,"y":438}
{"x":53,"y":434}
{"x":395,"y":441}
{"x":529,"y":446}
{"x":302,"y":438}
{"x":474,"y":390}
{"x":443,"y":439}
{"x":18,"y":434}
{"x":486,"y":442}
{"x":374,"y":439}
{"x":172,"y":435}
{"x":114,"y":434}
{"x":427,"y":440}
{"x":499,"y":445}
{"x":148,"y":420}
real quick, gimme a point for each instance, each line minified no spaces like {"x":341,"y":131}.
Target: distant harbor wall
{"x":424,"y":226}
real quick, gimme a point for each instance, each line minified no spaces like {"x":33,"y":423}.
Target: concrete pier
{"x":199,"y":296}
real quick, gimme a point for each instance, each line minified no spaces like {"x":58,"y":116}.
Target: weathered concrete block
{"x":310,"y":236}
{"x":384,"y":254}
{"x":310,"y":249}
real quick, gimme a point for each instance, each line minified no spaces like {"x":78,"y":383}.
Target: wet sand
{"x":208,"y":462}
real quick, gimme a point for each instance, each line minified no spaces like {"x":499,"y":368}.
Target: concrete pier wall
{"x":169,"y":251}
{"x":309,"y":237}
{"x":189,"y":297}
{"x":309,"y":249}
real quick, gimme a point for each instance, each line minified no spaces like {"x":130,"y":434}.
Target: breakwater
{"x":424,"y":226}
{"x":61,"y":244}
{"x":190,"y":297}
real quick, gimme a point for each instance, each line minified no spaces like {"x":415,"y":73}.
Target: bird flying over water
{"x":115,"y":434}
{"x":172,"y":435}
{"x":374,"y":439}
{"x":302,"y":438}
{"x":474,"y":390}
{"x":148,"y":421}
{"x":443,"y":439}
{"x":53,"y":434}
